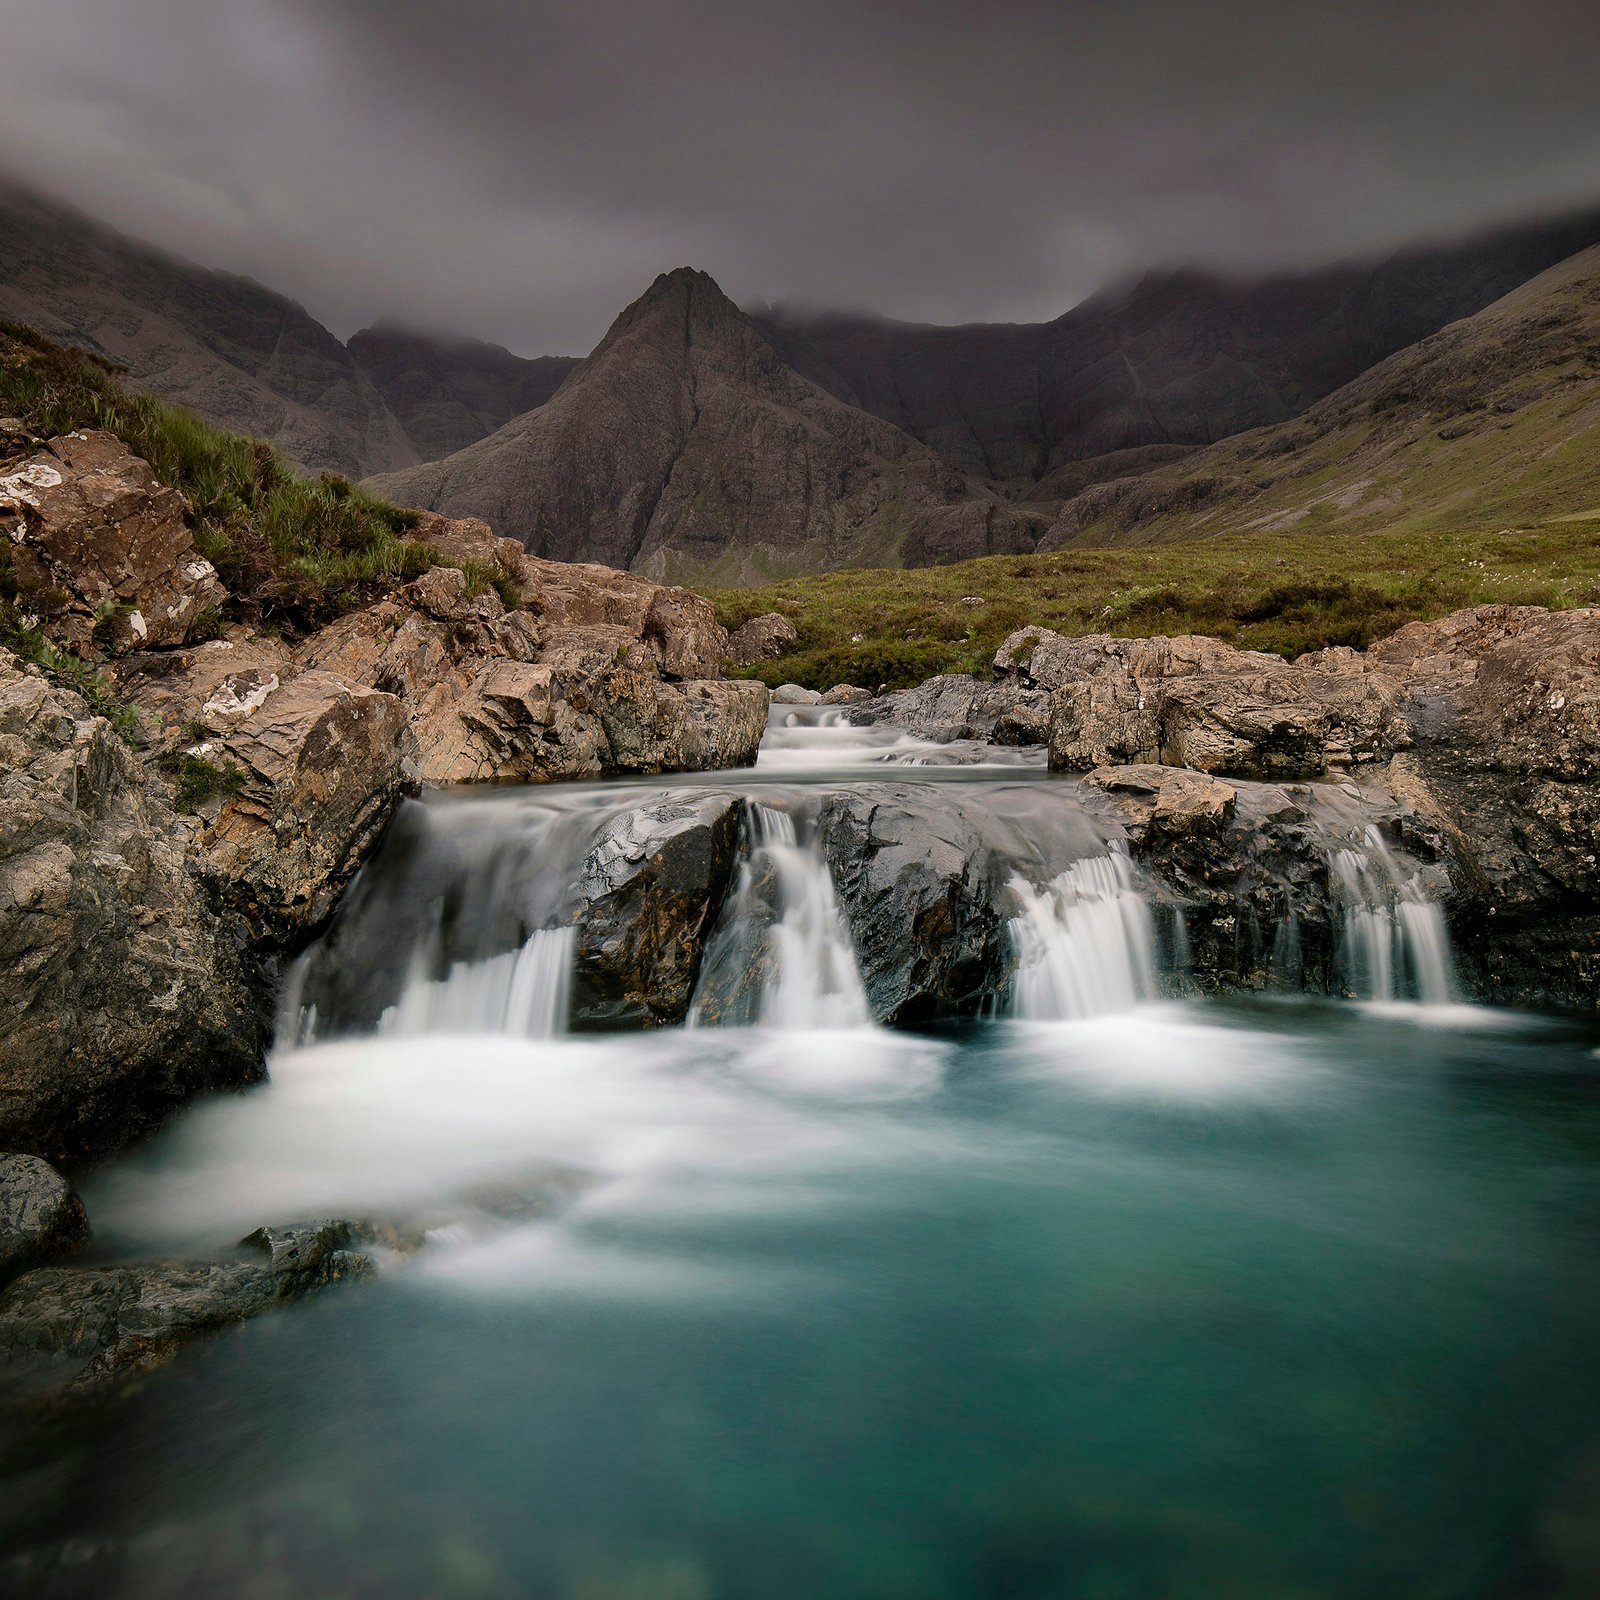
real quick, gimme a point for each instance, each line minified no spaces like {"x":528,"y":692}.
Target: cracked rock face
{"x":100,"y":546}
{"x":649,"y":890}
{"x":121,"y":992}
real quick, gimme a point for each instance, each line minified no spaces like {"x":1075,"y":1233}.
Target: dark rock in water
{"x":67,"y":1331}
{"x":919,"y":887}
{"x":649,"y":890}
{"x":41,"y":1216}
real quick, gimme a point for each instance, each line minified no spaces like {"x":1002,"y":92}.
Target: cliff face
{"x":243,"y":357}
{"x":685,"y":446}
{"x":1176,"y":359}
{"x":448,"y":392}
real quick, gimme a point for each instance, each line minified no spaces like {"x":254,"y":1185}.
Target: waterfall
{"x":1395,"y":943}
{"x":520,"y":992}
{"x":1085,"y":942}
{"x":781,"y":955}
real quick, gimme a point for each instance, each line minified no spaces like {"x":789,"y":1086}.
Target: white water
{"x":1395,"y":941}
{"x":811,"y":980}
{"x":521,"y":992}
{"x":1085,"y":943}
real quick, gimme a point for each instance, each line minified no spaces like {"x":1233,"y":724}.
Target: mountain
{"x":242,"y":356}
{"x":1174,"y":359}
{"x":685,"y":447}
{"x":1494,"y":421}
{"x":448,"y":391}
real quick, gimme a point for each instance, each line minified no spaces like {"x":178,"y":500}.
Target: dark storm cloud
{"x":521,"y":171}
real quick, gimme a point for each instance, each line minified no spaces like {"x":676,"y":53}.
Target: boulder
{"x":920,"y":891}
{"x":647,"y":896}
{"x":70,"y":1331}
{"x":1196,"y":702}
{"x":794,"y":694}
{"x":956,"y":706}
{"x":100,"y":548}
{"x":121,"y":992}
{"x":845,"y":694}
{"x":762,"y":638}
{"x":41,"y":1216}
{"x":1022,"y":724}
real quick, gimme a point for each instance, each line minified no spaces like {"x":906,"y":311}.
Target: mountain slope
{"x":447,"y":392}
{"x":243,"y":357}
{"x":1176,"y":359}
{"x":684,"y":446}
{"x":1493,"y":421}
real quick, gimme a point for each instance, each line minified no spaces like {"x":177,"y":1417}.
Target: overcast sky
{"x":521,"y":171}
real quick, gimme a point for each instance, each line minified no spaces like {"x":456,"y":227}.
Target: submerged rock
{"x":123,"y":992}
{"x":41,"y":1216}
{"x":647,"y":896}
{"x":72,"y":1331}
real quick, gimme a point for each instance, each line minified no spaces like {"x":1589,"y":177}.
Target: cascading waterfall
{"x":520,"y":992}
{"x":1395,"y":942}
{"x":783,"y":929}
{"x":1085,"y":942}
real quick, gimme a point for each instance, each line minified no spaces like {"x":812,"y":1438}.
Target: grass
{"x":198,"y":780}
{"x":1258,"y":591}
{"x":294,"y":552}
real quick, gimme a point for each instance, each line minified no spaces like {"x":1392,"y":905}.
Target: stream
{"x":1110,"y":1293}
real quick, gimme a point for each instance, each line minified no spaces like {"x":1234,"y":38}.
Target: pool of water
{"x":1273,"y":1299}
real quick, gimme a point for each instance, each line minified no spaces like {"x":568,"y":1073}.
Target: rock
{"x":41,"y":1216}
{"x":793,"y":694}
{"x":731,"y":718}
{"x":762,"y":638}
{"x":69,"y":1331}
{"x":845,"y":694}
{"x":1179,"y":802}
{"x":121,"y":992}
{"x":100,"y":548}
{"x":1196,"y":702}
{"x":954,"y":706}
{"x":647,"y":896}
{"x":323,"y":763}
{"x":919,"y":889}
{"x":1021,"y":724}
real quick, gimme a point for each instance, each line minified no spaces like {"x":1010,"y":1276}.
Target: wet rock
{"x":41,"y":1216}
{"x":71,"y":1331}
{"x":100,"y":548}
{"x":648,"y":894}
{"x":845,"y":694}
{"x":122,"y":992}
{"x":956,"y":706}
{"x":920,"y":891}
{"x":793,"y":694}
{"x":762,"y":638}
{"x":1167,"y":800}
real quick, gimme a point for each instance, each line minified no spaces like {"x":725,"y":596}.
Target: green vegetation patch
{"x":1259,"y":591}
{"x":295,"y":552}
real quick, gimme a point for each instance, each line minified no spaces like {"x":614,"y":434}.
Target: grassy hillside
{"x":1260,"y":591}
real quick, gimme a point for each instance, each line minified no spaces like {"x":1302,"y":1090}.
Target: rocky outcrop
{"x":762,"y":638}
{"x":684,"y":446}
{"x":121,"y":991}
{"x":41,"y":1216}
{"x":1196,"y":702}
{"x":647,"y":895}
{"x":956,"y":706}
{"x":920,"y":891}
{"x":99,"y":548}
{"x":70,"y":1332}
